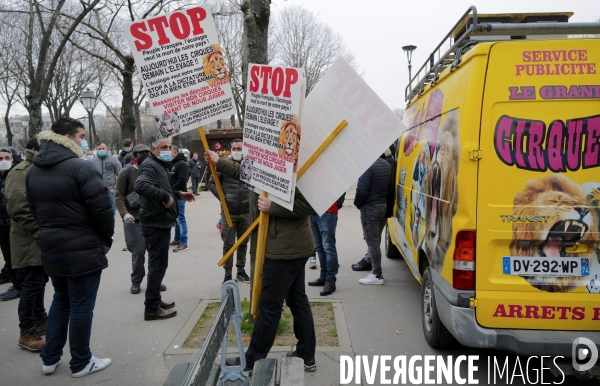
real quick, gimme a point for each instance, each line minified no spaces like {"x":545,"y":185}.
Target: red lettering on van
{"x":596,"y":313}
{"x":527,"y":144}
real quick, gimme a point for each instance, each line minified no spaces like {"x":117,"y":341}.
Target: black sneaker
{"x":135,"y":289}
{"x":10,"y":294}
{"x":235,"y":361}
{"x":309,"y":364}
{"x":4,"y":279}
{"x":227,"y":278}
{"x":243,"y":277}
{"x":163,"y":287}
{"x":362,"y":265}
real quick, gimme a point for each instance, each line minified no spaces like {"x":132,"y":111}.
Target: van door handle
{"x":475,"y":155}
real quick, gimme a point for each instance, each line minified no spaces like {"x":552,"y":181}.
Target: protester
{"x":179,"y":175}
{"x":109,"y":168}
{"x":370,"y":198}
{"x":196,"y":173}
{"x":283,"y":274}
{"x":126,"y":155}
{"x":70,"y":202}
{"x":158,"y":211}
{"x":26,"y":254}
{"x":128,"y":205}
{"x":365,"y":263}
{"x":236,"y":197}
{"x":89,"y":155}
{"x":9,"y":271}
{"x":323,"y":229}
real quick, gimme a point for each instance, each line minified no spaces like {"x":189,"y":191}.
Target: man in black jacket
{"x":370,"y":198}
{"x":195,"y":172}
{"x":158,"y":211}
{"x":236,"y":196}
{"x":179,"y":174}
{"x":70,"y":202}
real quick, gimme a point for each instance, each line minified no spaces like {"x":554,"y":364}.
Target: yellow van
{"x":498,"y":184}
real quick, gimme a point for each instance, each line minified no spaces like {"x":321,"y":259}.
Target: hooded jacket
{"x":70,"y":202}
{"x":24,"y":231}
{"x":125,"y":155}
{"x":235,"y":190}
{"x":4,"y":217}
{"x":154,"y":187}
{"x":289,"y":235}
{"x":179,"y":173}
{"x":195,"y":171}
{"x":372,"y":186}
{"x":109,"y":168}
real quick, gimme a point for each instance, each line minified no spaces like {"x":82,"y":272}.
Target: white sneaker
{"x":312,"y":262}
{"x":371,"y":279}
{"x":94,"y":365}
{"x":50,"y":369}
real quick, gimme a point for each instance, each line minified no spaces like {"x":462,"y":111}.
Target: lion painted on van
{"x":572,"y":219}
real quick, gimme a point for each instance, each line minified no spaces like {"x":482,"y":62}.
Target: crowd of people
{"x":57,"y":220}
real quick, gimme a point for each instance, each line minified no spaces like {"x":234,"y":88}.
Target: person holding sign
{"x":289,"y":244}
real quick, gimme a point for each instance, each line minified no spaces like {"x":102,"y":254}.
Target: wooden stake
{"x":213,"y":170}
{"x":263,"y":229}
{"x":237,"y":244}
{"x":321,"y":148}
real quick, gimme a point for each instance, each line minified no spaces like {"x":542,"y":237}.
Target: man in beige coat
{"x":26,"y":254}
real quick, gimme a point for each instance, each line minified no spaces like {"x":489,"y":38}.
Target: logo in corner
{"x":584,"y":354}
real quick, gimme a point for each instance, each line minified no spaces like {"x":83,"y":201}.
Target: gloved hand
{"x":128,"y":219}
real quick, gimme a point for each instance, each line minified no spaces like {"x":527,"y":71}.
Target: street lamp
{"x":409,"y":50}
{"x":88,"y":99}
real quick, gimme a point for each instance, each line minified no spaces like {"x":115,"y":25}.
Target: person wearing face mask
{"x":236,"y":196}
{"x":179,"y":175}
{"x":9,"y":271}
{"x":158,"y":212}
{"x":195,"y":172}
{"x":109,"y":168}
{"x":26,"y":254}
{"x":89,"y":155}
{"x":70,"y":202}
{"x":126,"y":154}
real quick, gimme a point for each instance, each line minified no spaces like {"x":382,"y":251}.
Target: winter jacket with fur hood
{"x":71,"y":205}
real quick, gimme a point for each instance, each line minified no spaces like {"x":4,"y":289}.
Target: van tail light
{"x":463,"y":270}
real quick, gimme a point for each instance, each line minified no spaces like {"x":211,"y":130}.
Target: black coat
{"x":195,"y":171}
{"x":372,"y":186}
{"x":179,"y":173}
{"x":72,"y":207}
{"x":154,"y":187}
{"x":391,"y":189}
{"x":236,"y":192}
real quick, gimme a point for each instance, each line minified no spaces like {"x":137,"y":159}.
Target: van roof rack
{"x":471,"y":29}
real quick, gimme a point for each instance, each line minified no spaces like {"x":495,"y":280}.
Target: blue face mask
{"x":101,"y":153}
{"x":89,"y":158}
{"x":166,"y":156}
{"x":84,"y":146}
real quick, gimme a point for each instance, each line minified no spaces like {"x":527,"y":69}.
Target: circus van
{"x":498,"y":185}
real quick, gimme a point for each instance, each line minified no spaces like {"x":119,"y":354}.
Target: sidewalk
{"x":137,"y":348}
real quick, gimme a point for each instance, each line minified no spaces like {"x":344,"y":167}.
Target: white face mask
{"x":237,"y":155}
{"x":5,"y":165}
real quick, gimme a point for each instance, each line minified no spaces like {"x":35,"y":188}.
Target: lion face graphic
{"x":168,"y":124}
{"x":289,"y":139}
{"x":570,"y":221}
{"x":214,"y":64}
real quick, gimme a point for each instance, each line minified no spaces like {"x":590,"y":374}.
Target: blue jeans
{"x":323,"y":229}
{"x":112,"y":200}
{"x":72,"y":311}
{"x":181,"y":231}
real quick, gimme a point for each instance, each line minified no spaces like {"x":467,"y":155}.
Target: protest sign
{"x":182,"y":67}
{"x":272,"y":130}
{"x":372,"y":127}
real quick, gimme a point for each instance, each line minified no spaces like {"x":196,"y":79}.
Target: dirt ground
{"x":323,"y":315}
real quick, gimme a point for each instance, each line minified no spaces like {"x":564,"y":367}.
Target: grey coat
{"x":109,"y":168}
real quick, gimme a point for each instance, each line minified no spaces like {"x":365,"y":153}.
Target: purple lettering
{"x":502,"y":140}
{"x":535,"y":153}
{"x":518,"y":148}
{"x":575,"y":128}
{"x":554,"y":144}
{"x":591,"y":157}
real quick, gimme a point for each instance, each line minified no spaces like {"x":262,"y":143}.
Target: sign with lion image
{"x":182,"y":68}
{"x":272,"y":130}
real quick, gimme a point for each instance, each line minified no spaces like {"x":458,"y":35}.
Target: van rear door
{"x":538,"y":217}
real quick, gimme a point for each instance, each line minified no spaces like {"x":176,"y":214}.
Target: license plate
{"x":545,"y":266}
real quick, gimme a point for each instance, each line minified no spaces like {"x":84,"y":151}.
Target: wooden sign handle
{"x":263,"y":229}
{"x":213,"y":170}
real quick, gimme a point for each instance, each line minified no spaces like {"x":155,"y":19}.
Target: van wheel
{"x":390,"y":249}
{"x":436,"y":334}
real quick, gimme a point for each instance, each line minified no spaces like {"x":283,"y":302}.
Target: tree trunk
{"x":35,"y":115}
{"x":255,"y":41}
{"x":128,"y":109}
{"x":9,"y":134}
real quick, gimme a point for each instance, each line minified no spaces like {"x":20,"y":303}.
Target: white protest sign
{"x":182,"y":69}
{"x":372,"y":128}
{"x":272,"y":130}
